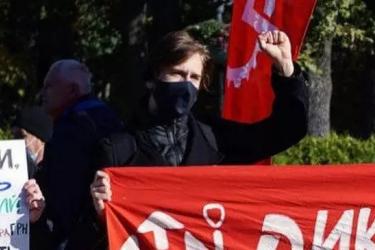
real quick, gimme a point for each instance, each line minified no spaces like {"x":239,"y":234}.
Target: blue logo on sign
{"x":4,"y":186}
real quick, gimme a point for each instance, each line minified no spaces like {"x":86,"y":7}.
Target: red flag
{"x":262,"y":208}
{"x":248,"y":91}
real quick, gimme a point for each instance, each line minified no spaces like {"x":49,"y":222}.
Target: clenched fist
{"x":276,"y":45}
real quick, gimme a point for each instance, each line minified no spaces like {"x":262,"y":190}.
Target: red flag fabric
{"x":248,"y":91}
{"x":260,"y":207}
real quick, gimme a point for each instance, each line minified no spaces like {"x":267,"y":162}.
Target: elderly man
{"x":80,"y":120}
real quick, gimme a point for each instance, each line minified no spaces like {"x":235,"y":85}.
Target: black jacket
{"x":221,"y":141}
{"x":69,"y":164}
{"x":218,"y":141}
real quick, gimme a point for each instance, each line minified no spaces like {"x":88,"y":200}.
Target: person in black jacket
{"x":167,"y":133}
{"x":80,"y":120}
{"x":33,"y":125}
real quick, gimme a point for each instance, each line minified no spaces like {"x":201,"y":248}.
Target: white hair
{"x":72,"y":71}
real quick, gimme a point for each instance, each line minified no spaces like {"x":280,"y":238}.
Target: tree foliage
{"x":114,"y":37}
{"x":333,"y":149}
{"x":339,"y":41}
{"x":348,"y":22}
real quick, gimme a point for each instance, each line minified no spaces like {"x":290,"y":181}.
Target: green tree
{"x":18,"y":23}
{"x":336,"y":26}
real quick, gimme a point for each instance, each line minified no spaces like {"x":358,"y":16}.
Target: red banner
{"x":248,"y":91}
{"x":265,"y":208}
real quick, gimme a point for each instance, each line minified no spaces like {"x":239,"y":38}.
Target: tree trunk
{"x":369,"y":89}
{"x":370,"y":4}
{"x":368,"y":98}
{"x":166,"y":16}
{"x":56,"y":36}
{"x":130,"y":17}
{"x":320,"y":92}
{"x":129,"y":84}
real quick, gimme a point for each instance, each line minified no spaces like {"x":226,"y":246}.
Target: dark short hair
{"x":175,"y":48}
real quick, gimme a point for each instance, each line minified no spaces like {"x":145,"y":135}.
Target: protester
{"x":167,"y":132}
{"x":34,"y":126}
{"x":79,"y":121}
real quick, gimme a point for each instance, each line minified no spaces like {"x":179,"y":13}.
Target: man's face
{"x":32,"y":142}
{"x":56,"y":94}
{"x":189,"y":70}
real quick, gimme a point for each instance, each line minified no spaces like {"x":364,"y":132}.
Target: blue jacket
{"x":69,"y":163}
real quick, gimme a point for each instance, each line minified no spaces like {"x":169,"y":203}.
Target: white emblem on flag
{"x":260,"y":24}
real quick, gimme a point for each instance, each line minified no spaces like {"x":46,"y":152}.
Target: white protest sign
{"x":14,"y":215}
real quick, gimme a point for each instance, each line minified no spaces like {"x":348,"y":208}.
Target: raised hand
{"x":277,"y":46}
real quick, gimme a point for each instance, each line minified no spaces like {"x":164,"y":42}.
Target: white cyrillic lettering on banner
{"x":363,"y":240}
{"x":283,"y":225}
{"x":340,"y":233}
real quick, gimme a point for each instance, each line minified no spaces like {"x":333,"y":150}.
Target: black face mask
{"x":174,"y":99}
